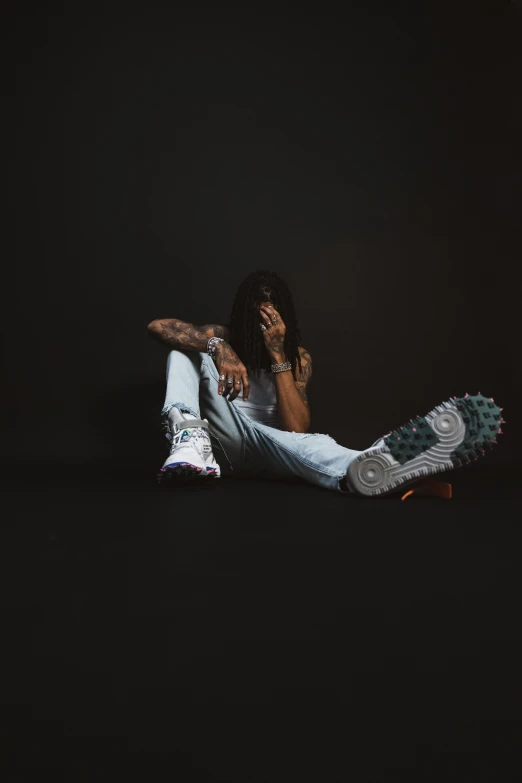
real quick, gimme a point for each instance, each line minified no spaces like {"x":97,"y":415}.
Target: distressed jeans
{"x":241,"y":446}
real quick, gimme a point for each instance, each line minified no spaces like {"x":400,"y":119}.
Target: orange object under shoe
{"x":431,"y":489}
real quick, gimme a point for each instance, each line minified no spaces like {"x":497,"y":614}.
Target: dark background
{"x":371,"y":158}
{"x":256,"y":631}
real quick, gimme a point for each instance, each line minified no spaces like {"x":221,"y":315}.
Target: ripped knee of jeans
{"x":182,"y":407}
{"x":301,"y":435}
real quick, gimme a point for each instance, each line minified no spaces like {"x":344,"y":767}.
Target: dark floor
{"x":255,"y":631}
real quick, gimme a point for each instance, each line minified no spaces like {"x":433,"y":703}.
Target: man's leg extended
{"x":314,"y":457}
{"x":454,"y":433}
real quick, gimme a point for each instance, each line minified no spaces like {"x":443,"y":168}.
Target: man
{"x":249,"y":380}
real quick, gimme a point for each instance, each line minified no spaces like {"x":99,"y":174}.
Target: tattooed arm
{"x":294,"y":409}
{"x":183,"y":336}
{"x":292,"y":402}
{"x":303,"y":378}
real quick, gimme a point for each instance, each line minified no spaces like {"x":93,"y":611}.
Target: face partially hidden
{"x":254,"y":312}
{"x":255,"y":315}
{"x":263,"y":303}
{"x":266,"y":296}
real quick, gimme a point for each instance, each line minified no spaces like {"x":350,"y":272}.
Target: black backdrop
{"x":372,"y":160}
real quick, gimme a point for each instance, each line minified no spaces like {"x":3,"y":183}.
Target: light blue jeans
{"x":245,"y":447}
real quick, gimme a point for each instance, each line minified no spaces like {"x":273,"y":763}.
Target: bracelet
{"x":211,"y":345}
{"x":281,"y":367}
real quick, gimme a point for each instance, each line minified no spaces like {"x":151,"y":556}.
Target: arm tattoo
{"x":178,"y":334}
{"x":276,"y":345}
{"x":184,"y":336}
{"x":214,"y":330}
{"x":303,"y":377}
{"x":227,"y":354}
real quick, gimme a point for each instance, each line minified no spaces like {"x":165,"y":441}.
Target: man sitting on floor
{"x":245,"y":384}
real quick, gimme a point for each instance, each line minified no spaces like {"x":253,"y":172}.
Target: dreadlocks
{"x":246,"y":336}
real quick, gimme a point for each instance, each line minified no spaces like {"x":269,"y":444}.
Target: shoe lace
{"x":194,"y":434}
{"x":199,"y":433}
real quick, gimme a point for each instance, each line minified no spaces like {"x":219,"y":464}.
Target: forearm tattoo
{"x":225,"y":353}
{"x":184,"y":336}
{"x":214,"y":330}
{"x":276,"y":345}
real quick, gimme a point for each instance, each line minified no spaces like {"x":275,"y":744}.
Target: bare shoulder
{"x":215,"y":330}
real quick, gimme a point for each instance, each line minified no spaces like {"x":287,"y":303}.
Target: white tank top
{"x":262,"y":399}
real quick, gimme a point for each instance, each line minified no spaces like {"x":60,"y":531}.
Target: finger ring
{"x":221,"y":377}
{"x":229,"y":380}
{"x":274,"y":320}
{"x":238,"y":383}
{"x":263,"y":327}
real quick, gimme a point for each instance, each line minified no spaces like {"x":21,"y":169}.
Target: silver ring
{"x":238,"y":383}
{"x":221,"y":377}
{"x":263,"y":327}
{"x":274,"y":320}
{"x":230,"y":380}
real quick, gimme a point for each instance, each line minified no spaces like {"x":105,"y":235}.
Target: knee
{"x":184,"y":358}
{"x":207,"y":362}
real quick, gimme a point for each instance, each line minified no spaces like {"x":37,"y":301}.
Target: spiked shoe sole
{"x":184,"y":472}
{"x":452,"y":434}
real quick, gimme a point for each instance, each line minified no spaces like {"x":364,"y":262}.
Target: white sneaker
{"x":191,"y":454}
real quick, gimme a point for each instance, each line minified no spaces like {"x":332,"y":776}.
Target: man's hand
{"x":274,"y":332}
{"x":234,"y":372}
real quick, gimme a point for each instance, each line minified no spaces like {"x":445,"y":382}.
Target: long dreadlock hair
{"x":246,"y":337}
